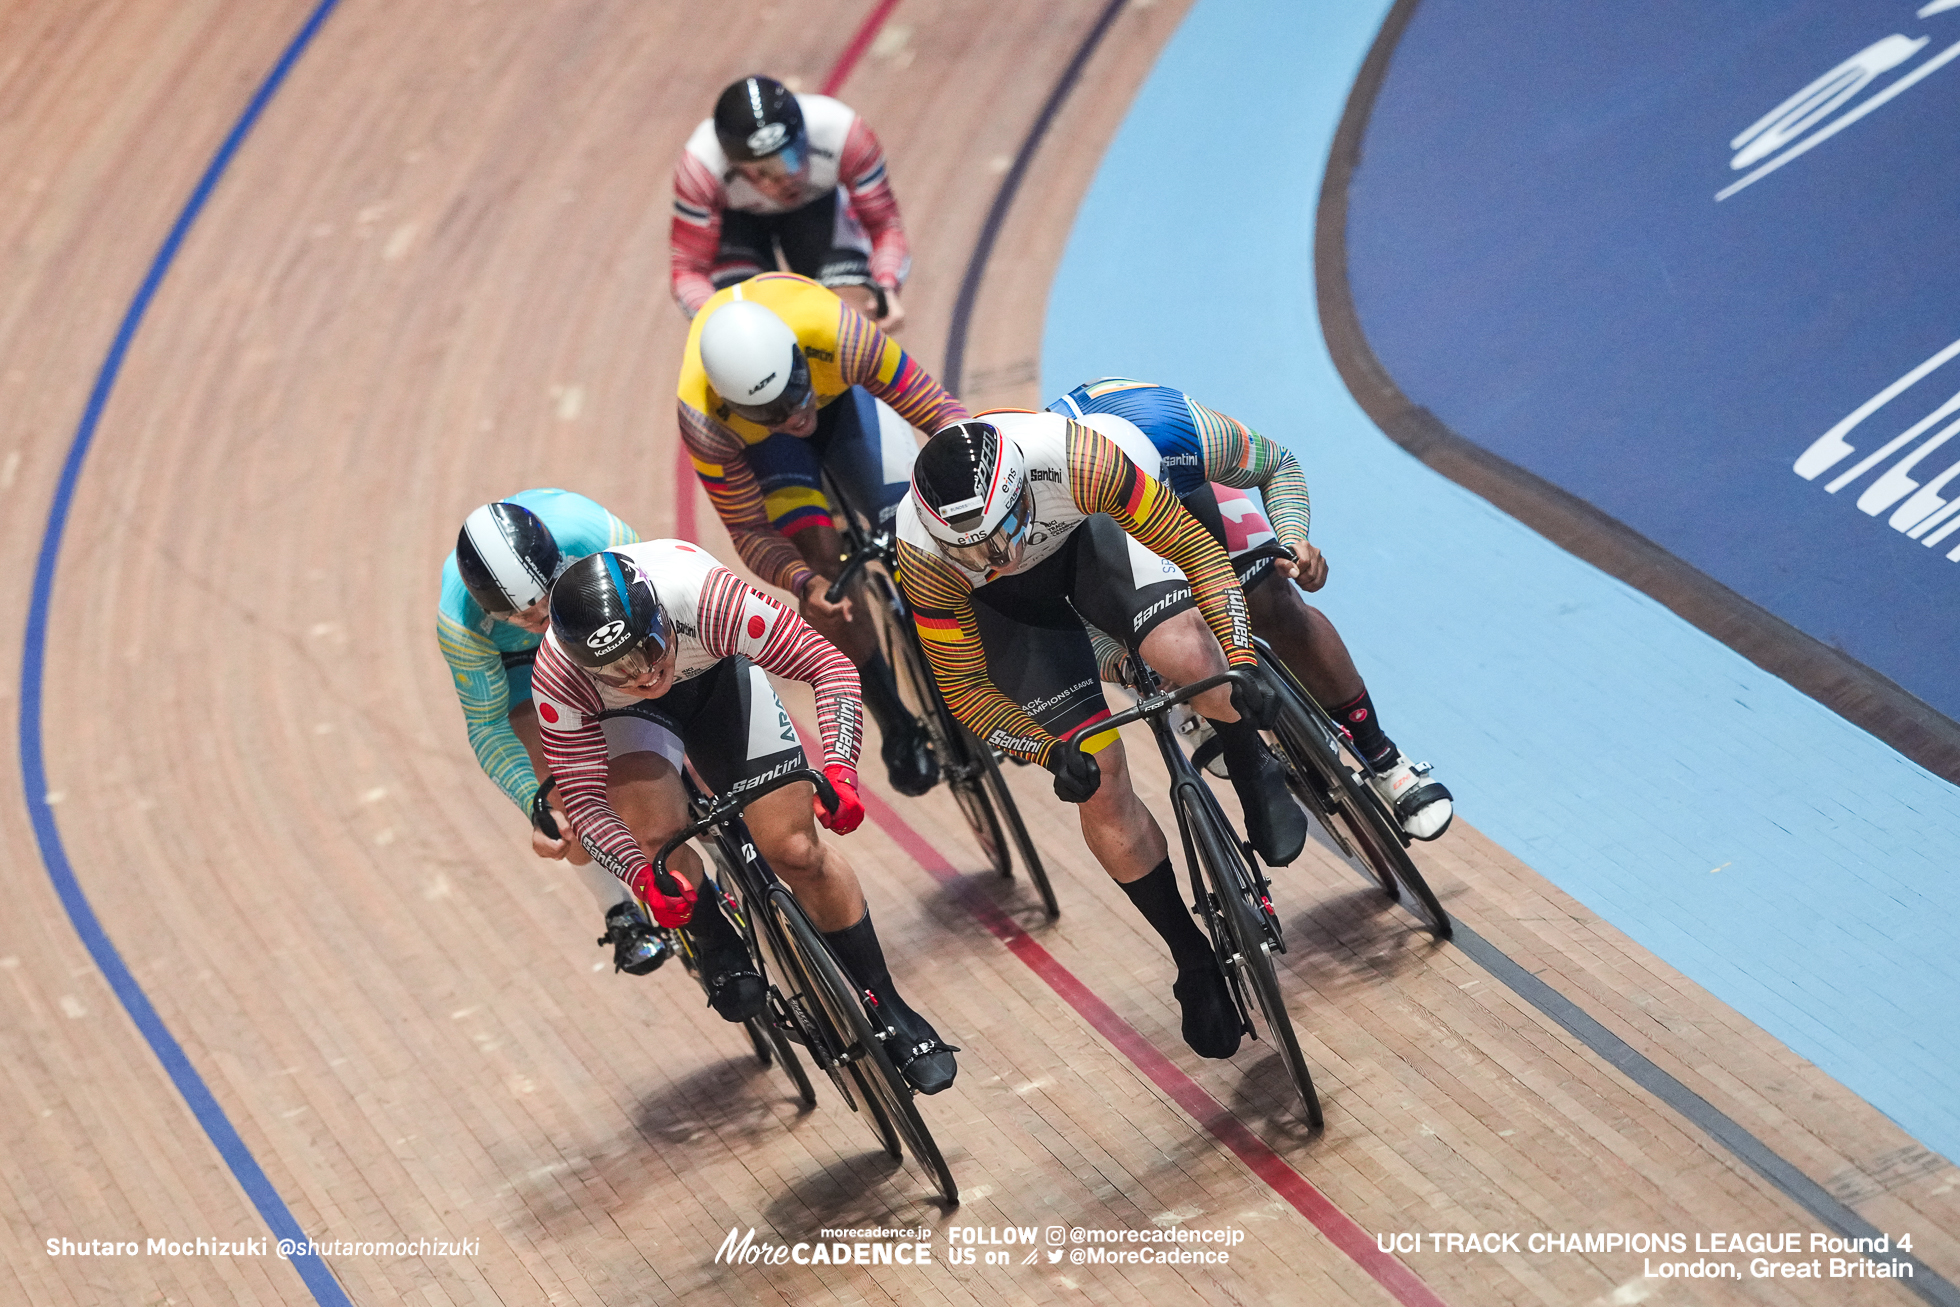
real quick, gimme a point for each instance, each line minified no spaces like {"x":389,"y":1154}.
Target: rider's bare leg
{"x":785,"y":834}
{"x":646,"y":792}
{"x":1305,"y":641}
{"x":1182,"y":649}
{"x":1118,"y":829}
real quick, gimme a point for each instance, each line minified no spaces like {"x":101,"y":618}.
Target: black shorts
{"x":728,"y":721}
{"x":817,"y":240}
{"x":1253,"y":564}
{"x":1032,"y":624}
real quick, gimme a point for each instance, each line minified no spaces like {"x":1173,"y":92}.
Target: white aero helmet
{"x":971,"y":486}
{"x":754,"y":362}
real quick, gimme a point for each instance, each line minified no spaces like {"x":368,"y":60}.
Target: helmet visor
{"x":636,"y":660}
{"x":783,"y":164}
{"x":1002,"y":546}
{"x":794,"y":395}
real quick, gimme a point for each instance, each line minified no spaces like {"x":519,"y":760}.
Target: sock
{"x":1157,"y":898}
{"x":711,"y":932}
{"x":864,"y":961}
{"x":1358,"y":715}
{"x":1241,"y":746}
{"x":607,"y":889}
{"x":881,"y":697}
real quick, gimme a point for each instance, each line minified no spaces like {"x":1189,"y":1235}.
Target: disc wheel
{"x":886,"y":1093}
{"x":1241,"y":906}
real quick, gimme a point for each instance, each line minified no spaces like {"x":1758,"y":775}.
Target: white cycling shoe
{"x":1422,"y":805}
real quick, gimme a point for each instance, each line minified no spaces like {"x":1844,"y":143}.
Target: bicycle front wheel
{"x":887,"y":1095}
{"x":1242,"y":905}
{"x":1347,"y":806}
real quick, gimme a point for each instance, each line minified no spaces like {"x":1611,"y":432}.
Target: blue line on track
{"x":251,"y":1177}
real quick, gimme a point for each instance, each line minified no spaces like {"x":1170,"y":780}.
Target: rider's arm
{"x":862,"y":170}
{"x":724,"y":470}
{"x":868,"y":357}
{"x":942,"y":610}
{"x":1236,"y":455}
{"x":736,"y":618}
{"x":476,"y":669}
{"x":1104,"y":480}
{"x":696,"y":233}
{"x":575,"y":746}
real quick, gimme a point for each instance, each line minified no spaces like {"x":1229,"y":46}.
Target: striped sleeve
{"x":942,"y":610}
{"x":868,"y":357}
{"x":575,"y":746}
{"x":736,"y":618}
{"x":476,"y":669}
{"x":862,"y":170}
{"x":719,"y":460}
{"x":1104,"y":480}
{"x":695,"y":236}
{"x":1236,"y":455}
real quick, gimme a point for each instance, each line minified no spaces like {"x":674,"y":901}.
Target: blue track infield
{"x":1794,"y":866}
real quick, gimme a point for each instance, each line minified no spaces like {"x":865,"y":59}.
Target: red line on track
{"x":866,"y":33}
{"x":1340,"y":1229}
{"x":686,"y":489}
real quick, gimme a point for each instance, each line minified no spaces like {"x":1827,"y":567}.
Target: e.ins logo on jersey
{"x":605,"y":635}
{"x":768,"y":138}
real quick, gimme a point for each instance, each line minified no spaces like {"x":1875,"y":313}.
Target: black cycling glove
{"x":1257,"y":703}
{"x":1076,"y":775}
{"x":541,"y":810}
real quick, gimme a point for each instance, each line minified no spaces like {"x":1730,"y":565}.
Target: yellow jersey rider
{"x":782,"y":381}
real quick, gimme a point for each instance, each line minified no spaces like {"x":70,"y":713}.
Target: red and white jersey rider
{"x":714,"y":616}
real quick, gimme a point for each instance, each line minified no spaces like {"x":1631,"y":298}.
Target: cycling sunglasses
{"x":637,"y":660}
{"x":1002,"y":543}
{"x":793,"y":397}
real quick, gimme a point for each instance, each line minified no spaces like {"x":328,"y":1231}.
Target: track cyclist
{"x":802,"y":172}
{"x":1210,"y":459}
{"x":662,"y":628}
{"x":489,"y":623}
{"x":781,"y":380}
{"x":1019,"y":528}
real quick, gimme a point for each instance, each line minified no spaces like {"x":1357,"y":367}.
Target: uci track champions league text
{"x":1674,"y":1255}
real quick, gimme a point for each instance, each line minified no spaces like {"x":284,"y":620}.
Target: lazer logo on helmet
{"x":760,"y":384}
{"x":605,"y":635}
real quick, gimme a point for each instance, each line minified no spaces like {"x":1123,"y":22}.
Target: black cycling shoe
{"x":909,"y":763}
{"x":920,"y":1055}
{"x":736,"y":992}
{"x":1273,"y":821}
{"x":637,"y":950}
{"x":1211,"y":1018}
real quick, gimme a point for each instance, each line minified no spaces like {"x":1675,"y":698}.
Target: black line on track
{"x":983,"y":247}
{"x":1719,"y":1126}
{"x":1366,"y":378}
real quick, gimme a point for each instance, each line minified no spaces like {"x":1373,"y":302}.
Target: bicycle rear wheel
{"x":870,"y":1064}
{"x":992,"y":792}
{"x":1337,"y":793}
{"x":1241,"y":903}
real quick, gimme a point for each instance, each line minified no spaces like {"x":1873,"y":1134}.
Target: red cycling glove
{"x":669,"y":912}
{"x":850,"y":808}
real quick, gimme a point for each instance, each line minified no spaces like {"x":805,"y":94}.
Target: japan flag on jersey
{"x":759,"y":618}
{"x":555,"y":716}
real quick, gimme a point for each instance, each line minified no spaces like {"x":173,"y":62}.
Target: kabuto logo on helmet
{"x":605,"y":635}
{"x":768,"y":138}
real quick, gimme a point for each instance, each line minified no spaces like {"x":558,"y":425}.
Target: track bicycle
{"x":809,"y":1000}
{"x":971,"y":768}
{"x":1232,"y":894}
{"x":1330,"y":778}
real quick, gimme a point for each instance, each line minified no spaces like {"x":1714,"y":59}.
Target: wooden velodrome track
{"x":435,"y":273}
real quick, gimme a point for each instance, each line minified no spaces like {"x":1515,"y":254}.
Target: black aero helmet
{"x":507,"y":558}
{"x":757,"y":117}
{"x":605,"y":611}
{"x":971,"y":484}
